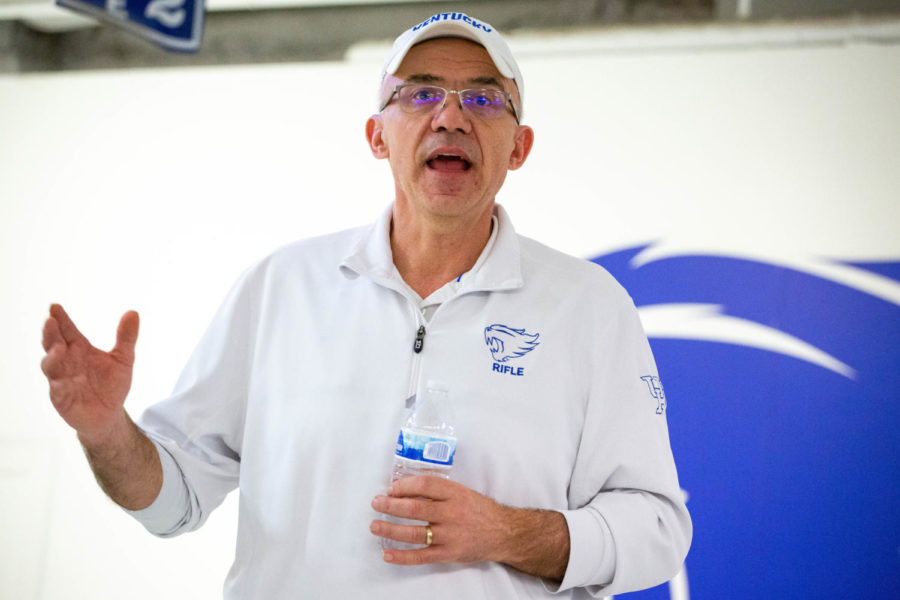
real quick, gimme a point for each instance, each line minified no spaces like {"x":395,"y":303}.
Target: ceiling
{"x":35,"y":35}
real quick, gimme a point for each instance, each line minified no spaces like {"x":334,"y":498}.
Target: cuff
{"x":592,"y":552}
{"x":166,"y":514}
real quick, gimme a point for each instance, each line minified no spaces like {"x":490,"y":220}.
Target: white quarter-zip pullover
{"x":296,"y":393}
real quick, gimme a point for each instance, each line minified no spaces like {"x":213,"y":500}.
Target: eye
{"x":483,"y":98}
{"x":423,"y":95}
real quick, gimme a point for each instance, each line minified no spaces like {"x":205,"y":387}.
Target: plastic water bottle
{"x":426,"y":446}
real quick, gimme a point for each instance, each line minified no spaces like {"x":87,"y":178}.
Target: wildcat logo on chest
{"x":506,"y":343}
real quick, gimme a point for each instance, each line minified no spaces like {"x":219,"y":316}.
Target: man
{"x":563,"y":482}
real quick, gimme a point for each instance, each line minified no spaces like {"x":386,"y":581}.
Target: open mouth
{"x":448,"y":163}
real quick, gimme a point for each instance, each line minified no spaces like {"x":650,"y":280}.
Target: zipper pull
{"x":420,"y":339}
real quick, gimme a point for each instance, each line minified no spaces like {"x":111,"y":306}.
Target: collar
{"x":500,"y":269}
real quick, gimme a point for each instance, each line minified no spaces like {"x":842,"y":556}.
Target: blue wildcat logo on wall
{"x":781,"y":386}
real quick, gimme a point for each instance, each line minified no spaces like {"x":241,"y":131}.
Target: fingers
{"x":126,"y":337}
{"x":424,"y":556}
{"x":435,"y":488}
{"x":417,"y":509}
{"x":467,"y":526}
{"x":414,"y":534}
{"x":51,"y":334}
{"x":411,"y":534}
{"x":53,"y":363}
{"x":55,"y":346}
{"x":66,"y":327}
{"x":60,"y":329}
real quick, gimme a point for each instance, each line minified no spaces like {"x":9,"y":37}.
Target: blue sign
{"x":173,"y":24}
{"x":782,"y":402}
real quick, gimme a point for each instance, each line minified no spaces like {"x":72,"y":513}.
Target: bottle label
{"x":430,"y":448}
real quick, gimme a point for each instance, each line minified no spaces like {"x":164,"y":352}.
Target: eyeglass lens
{"x":484,"y":102}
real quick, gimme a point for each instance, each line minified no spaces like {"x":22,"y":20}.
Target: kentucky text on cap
{"x":460,"y":25}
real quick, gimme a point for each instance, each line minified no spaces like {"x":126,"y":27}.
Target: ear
{"x":524,"y":139}
{"x":375,"y":137}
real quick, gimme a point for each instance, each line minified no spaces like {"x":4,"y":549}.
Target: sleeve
{"x":173,"y":499}
{"x":629,"y":528}
{"x":198,"y":430}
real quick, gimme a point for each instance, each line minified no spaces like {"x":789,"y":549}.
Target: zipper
{"x":417,"y":346}
{"x":419,"y":342}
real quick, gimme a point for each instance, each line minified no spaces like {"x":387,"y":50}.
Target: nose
{"x":450,"y":116}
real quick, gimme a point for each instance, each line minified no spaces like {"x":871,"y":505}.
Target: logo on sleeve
{"x":506,"y":343}
{"x":656,"y":390}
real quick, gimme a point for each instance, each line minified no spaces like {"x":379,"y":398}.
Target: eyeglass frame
{"x":447,"y":93}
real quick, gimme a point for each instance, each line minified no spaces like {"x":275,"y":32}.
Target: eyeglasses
{"x":483,"y":103}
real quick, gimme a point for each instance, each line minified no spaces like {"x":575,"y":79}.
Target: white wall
{"x":152,"y":190}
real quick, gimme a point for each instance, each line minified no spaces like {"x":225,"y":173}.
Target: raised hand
{"x":87,"y":385}
{"x":88,"y":388}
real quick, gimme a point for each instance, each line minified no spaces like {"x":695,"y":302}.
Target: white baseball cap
{"x":460,"y":25}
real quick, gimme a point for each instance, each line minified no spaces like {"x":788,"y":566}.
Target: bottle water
{"x":426,"y":446}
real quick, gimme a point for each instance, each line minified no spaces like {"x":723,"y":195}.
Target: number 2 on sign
{"x":168,"y":12}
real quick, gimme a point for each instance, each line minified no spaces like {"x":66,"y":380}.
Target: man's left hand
{"x":469,"y":527}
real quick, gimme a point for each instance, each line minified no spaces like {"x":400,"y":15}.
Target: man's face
{"x":447,"y":162}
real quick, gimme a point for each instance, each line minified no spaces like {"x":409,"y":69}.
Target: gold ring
{"x":428,"y":535}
